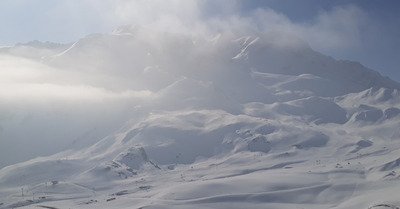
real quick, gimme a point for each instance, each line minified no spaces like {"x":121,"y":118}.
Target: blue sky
{"x":360,"y":30}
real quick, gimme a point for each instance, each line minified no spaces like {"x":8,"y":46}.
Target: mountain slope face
{"x":233,"y":121}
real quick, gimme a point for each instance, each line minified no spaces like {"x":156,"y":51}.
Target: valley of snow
{"x":237,"y":120}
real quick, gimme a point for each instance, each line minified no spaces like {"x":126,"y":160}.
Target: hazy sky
{"x":361,"y":30}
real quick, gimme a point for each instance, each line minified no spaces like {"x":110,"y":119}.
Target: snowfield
{"x":232,"y":121}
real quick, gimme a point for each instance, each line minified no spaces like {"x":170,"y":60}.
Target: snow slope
{"x":233,"y":121}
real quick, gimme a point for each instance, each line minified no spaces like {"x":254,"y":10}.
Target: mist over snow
{"x":85,"y":90}
{"x":193,"y":110}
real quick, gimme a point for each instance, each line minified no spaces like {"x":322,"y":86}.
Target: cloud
{"x":338,"y":29}
{"x":155,"y":10}
{"x":25,"y":79}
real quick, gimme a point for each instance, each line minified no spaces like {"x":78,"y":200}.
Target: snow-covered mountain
{"x":237,"y":120}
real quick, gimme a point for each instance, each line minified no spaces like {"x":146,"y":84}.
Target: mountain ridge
{"x":273,"y":48}
{"x":224,"y":121}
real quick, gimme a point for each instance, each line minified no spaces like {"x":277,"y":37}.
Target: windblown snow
{"x":232,"y":121}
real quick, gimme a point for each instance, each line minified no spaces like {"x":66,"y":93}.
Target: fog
{"x":42,"y":111}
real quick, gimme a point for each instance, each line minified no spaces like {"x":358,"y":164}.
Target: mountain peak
{"x":248,"y":120}
{"x":211,"y":58}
